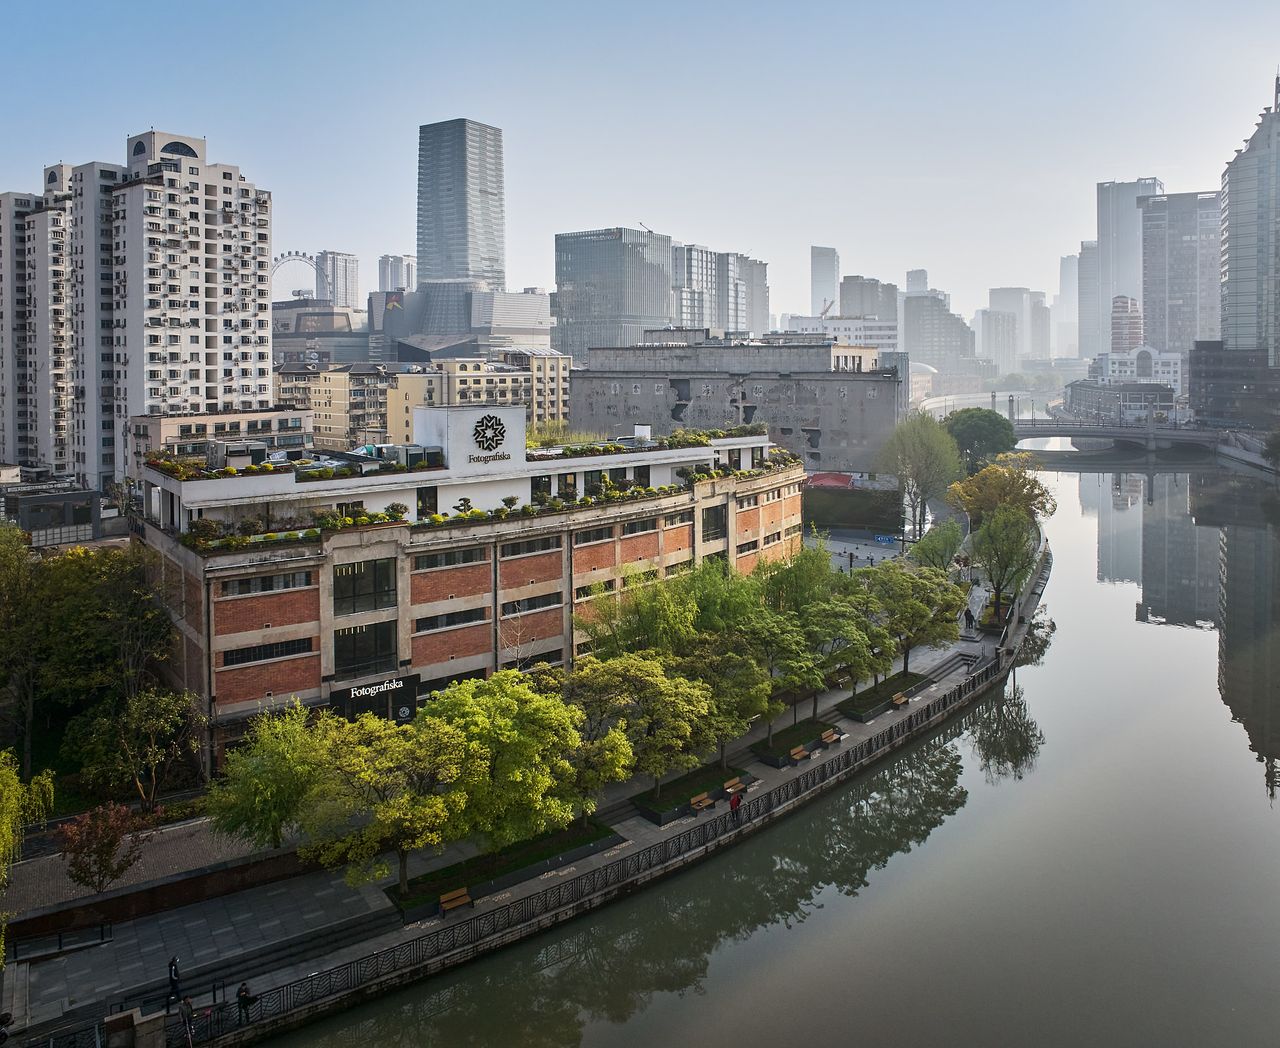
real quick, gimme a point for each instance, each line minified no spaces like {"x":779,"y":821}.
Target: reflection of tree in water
{"x":1035,"y":645}
{"x":607,"y":966}
{"x":1005,"y":739}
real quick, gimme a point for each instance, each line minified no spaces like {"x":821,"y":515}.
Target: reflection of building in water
{"x":1248,"y":609}
{"x":1179,"y":560}
{"x":1119,"y":527}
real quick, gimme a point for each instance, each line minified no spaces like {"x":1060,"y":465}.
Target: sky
{"x":965,"y":139}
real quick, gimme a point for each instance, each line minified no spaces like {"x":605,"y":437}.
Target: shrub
{"x":529,"y":511}
{"x":511,"y":501}
{"x":437,"y":519}
{"x":311,"y":533}
{"x":397,"y":511}
{"x":237,"y":542}
{"x":270,"y":536}
{"x":204,"y":529}
{"x":100,"y":846}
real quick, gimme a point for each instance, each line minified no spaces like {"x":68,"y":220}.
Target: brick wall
{"x":193,"y":600}
{"x":676,"y":539}
{"x":243,"y":683}
{"x":543,"y":567}
{"x":430,"y":648}
{"x":534,"y":625}
{"x":251,"y":613}
{"x":596,"y":555}
{"x":443,"y":583}
{"x":639,"y":547}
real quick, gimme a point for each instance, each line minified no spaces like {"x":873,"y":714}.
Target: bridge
{"x":1150,"y":436}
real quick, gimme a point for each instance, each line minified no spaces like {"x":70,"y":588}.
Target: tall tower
{"x":461,"y":204}
{"x":1120,"y":244}
{"x":1089,"y":314}
{"x":341,"y":283}
{"x":1126,"y":324}
{"x":824,"y":278}
{"x":1181,"y":270}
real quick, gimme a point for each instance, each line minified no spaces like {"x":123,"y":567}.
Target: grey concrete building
{"x":867,"y":297}
{"x":1089,"y":341}
{"x":1181,"y":270}
{"x":835,"y":420}
{"x":1120,"y":245}
{"x":933,"y":335}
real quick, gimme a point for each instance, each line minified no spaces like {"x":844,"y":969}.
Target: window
{"x":748,"y":547}
{"x":676,"y":569}
{"x":551,"y":658}
{"x":715,"y":523}
{"x":522,"y":549}
{"x":540,"y":485}
{"x":640,"y":474}
{"x":265,"y":583}
{"x":262,"y":652}
{"x":543,"y":600}
{"x":639,"y":578}
{"x":359,"y":650}
{"x":635,"y":527}
{"x":591,"y":481}
{"x":795,"y":529}
{"x":772,"y":537}
{"x":748,"y":501}
{"x":427,"y":502}
{"x":450,"y":558}
{"x":368,"y":585}
{"x":581,"y":538}
{"x":595,"y":589}
{"x":451,"y":619}
{"x":673,"y":520}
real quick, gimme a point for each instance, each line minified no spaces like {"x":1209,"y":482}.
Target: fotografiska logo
{"x":489,"y":433}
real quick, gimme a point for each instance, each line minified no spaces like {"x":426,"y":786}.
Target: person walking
{"x":243,"y":999}
{"x":188,"y":1015}
{"x":968,"y":618}
{"x":735,"y":802}
{"x":175,"y":982}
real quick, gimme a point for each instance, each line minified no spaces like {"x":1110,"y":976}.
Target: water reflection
{"x":610,"y":966}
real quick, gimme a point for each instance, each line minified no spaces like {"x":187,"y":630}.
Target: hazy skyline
{"x":966,"y":143}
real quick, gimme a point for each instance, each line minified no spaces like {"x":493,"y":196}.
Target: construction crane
{"x":826,"y":309}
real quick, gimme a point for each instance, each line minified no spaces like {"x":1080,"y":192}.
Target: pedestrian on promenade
{"x":188,"y":1014}
{"x":244,"y":998}
{"x":175,"y":983}
{"x":968,"y":618}
{"x":735,"y":802}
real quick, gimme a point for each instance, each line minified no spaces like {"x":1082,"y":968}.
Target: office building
{"x":933,"y":335}
{"x":1088,"y":318}
{"x":129,"y":289}
{"x":461,"y":204}
{"x":1041,"y":328}
{"x":1015,"y":301}
{"x":917,"y":282}
{"x":1140,"y":363}
{"x":1065,"y":310}
{"x":996,"y":339}
{"x":1181,"y":270}
{"x":868,"y":331}
{"x":1120,"y":244}
{"x":376,"y":616}
{"x":184,"y":436}
{"x":611,"y":286}
{"x":397,"y":273}
{"x":824,"y":279}
{"x":867,"y":297}
{"x":338,"y":279}
{"x":1126,"y":324}
{"x":814,"y":403}
{"x":755,"y":281}
{"x":305,"y":331}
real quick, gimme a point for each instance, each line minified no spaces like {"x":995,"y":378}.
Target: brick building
{"x":376,"y":617}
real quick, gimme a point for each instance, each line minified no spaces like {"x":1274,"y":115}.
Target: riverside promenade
{"x":312,"y":943}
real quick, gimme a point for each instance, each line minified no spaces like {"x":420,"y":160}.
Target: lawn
{"x":870,"y":698}
{"x":700,"y":780}
{"x":788,"y":739}
{"x":430,"y":886}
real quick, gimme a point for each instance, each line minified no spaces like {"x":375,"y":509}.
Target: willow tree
{"x":21,"y":804}
{"x":926,"y":460}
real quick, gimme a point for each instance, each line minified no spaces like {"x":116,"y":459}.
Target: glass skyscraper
{"x":611,"y":284}
{"x":461,"y":210}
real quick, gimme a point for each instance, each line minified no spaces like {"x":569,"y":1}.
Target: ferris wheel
{"x":311,"y":262}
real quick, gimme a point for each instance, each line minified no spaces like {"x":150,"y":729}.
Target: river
{"x":1091,"y":858}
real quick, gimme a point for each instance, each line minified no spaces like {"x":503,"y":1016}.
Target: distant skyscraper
{"x":720,"y":290}
{"x":341,"y":281}
{"x":397,"y":273}
{"x":917,"y":281}
{"x":1089,"y":330}
{"x":1015,"y":300}
{"x":1126,"y":324}
{"x":461,"y":209}
{"x":1181,"y":270}
{"x":934,"y":335}
{"x":824,"y":279}
{"x":1120,"y":244}
{"x":997,"y":339}
{"x":611,"y":285}
{"x":868,"y":297}
{"x":1066,"y":308}
{"x":1041,"y":325}
{"x":755,"y":279}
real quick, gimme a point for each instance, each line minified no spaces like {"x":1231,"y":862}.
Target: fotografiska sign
{"x":395,"y":697}
{"x":490,"y":433}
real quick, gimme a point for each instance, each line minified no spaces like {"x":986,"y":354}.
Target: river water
{"x":1091,"y":858}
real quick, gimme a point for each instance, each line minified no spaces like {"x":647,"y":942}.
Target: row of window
{"x":450,"y":619}
{"x":542,"y":600}
{"x":266,"y":583}
{"x":262,"y":652}
{"x":450,"y":558}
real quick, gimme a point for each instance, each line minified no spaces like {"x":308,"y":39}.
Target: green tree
{"x":102,"y":845}
{"x":1005,"y":549}
{"x":385,"y":788}
{"x":779,"y":644}
{"x":267,"y":778}
{"x":668,"y":719}
{"x":1009,"y":481}
{"x":21,"y":804}
{"x":519,"y":776}
{"x":660,"y":617}
{"x":604,"y":752}
{"x":22,"y":637}
{"x":939,"y":546}
{"x":926,"y":460}
{"x":918,"y":607}
{"x":980,"y":434}
{"x":789,"y":586}
{"x":738,"y":687}
{"x":139,"y":741}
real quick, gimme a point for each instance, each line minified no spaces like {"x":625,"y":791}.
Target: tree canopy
{"x":980,"y":434}
{"x":939,"y":546}
{"x":1008,"y":481}
{"x":20,"y":805}
{"x":918,"y":608}
{"x":925,"y":458}
{"x":1005,"y":549}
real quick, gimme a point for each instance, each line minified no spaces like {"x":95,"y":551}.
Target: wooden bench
{"x":900,"y":699}
{"x":452,"y":900}
{"x":800,"y":754}
{"x":734,"y":785}
{"x":700,"y":802}
{"x":831,"y":736}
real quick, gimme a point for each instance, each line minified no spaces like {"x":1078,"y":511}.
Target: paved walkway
{"x":279,"y":932}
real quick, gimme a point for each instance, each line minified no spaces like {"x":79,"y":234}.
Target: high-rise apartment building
{"x":996,"y":337}
{"x":461,"y":209}
{"x":611,"y":285}
{"x":917,"y":282}
{"x":755,"y":281}
{"x":1181,"y":269}
{"x":397,"y":273}
{"x":1088,"y":326}
{"x":1041,"y":327}
{"x":1126,"y":324}
{"x":1066,"y":309}
{"x":933,"y":335}
{"x":338,"y":279}
{"x":1120,"y":245}
{"x":143,"y":289}
{"x":1016,"y":301}
{"x":867,"y":297}
{"x":824,"y":279}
